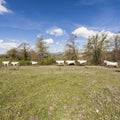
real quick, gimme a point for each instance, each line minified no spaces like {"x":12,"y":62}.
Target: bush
{"x":47,"y":61}
{"x":0,"y":61}
{"x":25,"y":63}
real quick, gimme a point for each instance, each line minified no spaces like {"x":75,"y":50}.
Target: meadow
{"x":60,"y":93}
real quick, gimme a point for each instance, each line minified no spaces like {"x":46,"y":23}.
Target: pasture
{"x":60,"y":93}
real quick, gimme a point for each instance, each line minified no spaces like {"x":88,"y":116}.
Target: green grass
{"x":66,"y":93}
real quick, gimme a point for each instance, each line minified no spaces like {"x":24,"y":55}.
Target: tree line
{"x":97,"y":49}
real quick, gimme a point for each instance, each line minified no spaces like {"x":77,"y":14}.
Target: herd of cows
{"x":84,"y":62}
{"x":71,"y":62}
{"x":62,"y":62}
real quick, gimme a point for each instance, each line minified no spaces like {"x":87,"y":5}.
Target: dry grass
{"x":66,"y":93}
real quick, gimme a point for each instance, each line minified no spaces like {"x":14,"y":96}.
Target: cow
{"x":5,"y":63}
{"x":70,"y":62}
{"x":14,"y":63}
{"x":82,"y":62}
{"x":34,"y":62}
{"x":110,"y":64}
{"x":60,"y":62}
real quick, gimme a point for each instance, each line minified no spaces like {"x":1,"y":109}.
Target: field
{"x":60,"y":93}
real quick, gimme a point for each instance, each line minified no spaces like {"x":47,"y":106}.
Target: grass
{"x":66,"y":93}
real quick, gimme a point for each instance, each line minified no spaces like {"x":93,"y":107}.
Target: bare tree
{"x":96,"y":46}
{"x":41,"y":48}
{"x":32,"y":55}
{"x":71,"y":51}
{"x":23,"y":49}
{"x":116,"y":48}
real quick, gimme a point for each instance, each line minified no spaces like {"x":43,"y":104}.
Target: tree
{"x":32,"y":55}
{"x":96,"y":46}
{"x":23,"y":49}
{"x":116,"y":48}
{"x":12,"y":54}
{"x":71,"y":51}
{"x":41,"y":48}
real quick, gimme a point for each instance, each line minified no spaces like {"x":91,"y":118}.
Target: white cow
{"x":81,"y":62}
{"x":14,"y":63}
{"x":70,"y":62}
{"x":34,"y":62}
{"x":5,"y":63}
{"x":109,"y":63}
{"x":60,"y":62}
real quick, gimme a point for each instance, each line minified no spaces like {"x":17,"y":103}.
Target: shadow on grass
{"x":117,"y":70}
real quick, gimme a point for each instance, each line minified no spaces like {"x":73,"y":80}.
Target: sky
{"x":55,"y":20}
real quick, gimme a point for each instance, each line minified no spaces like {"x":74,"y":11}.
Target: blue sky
{"x":26,"y":20}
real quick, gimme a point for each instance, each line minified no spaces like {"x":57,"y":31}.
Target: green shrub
{"x":0,"y":61}
{"x":25,"y":63}
{"x":47,"y":61}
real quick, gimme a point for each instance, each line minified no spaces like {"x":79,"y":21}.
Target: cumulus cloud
{"x":56,"y":32}
{"x":5,"y":46}
{"x":3,"y":9}
{"x":48,"y":41}
{"x":85,"y":32}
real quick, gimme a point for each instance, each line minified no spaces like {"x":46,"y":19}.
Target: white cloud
{"x":56,"y":32}
{"x":48,"y":41}
{"x":85,"y":32}
{"x":3,"y":9}
{"x":5,"y":46}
